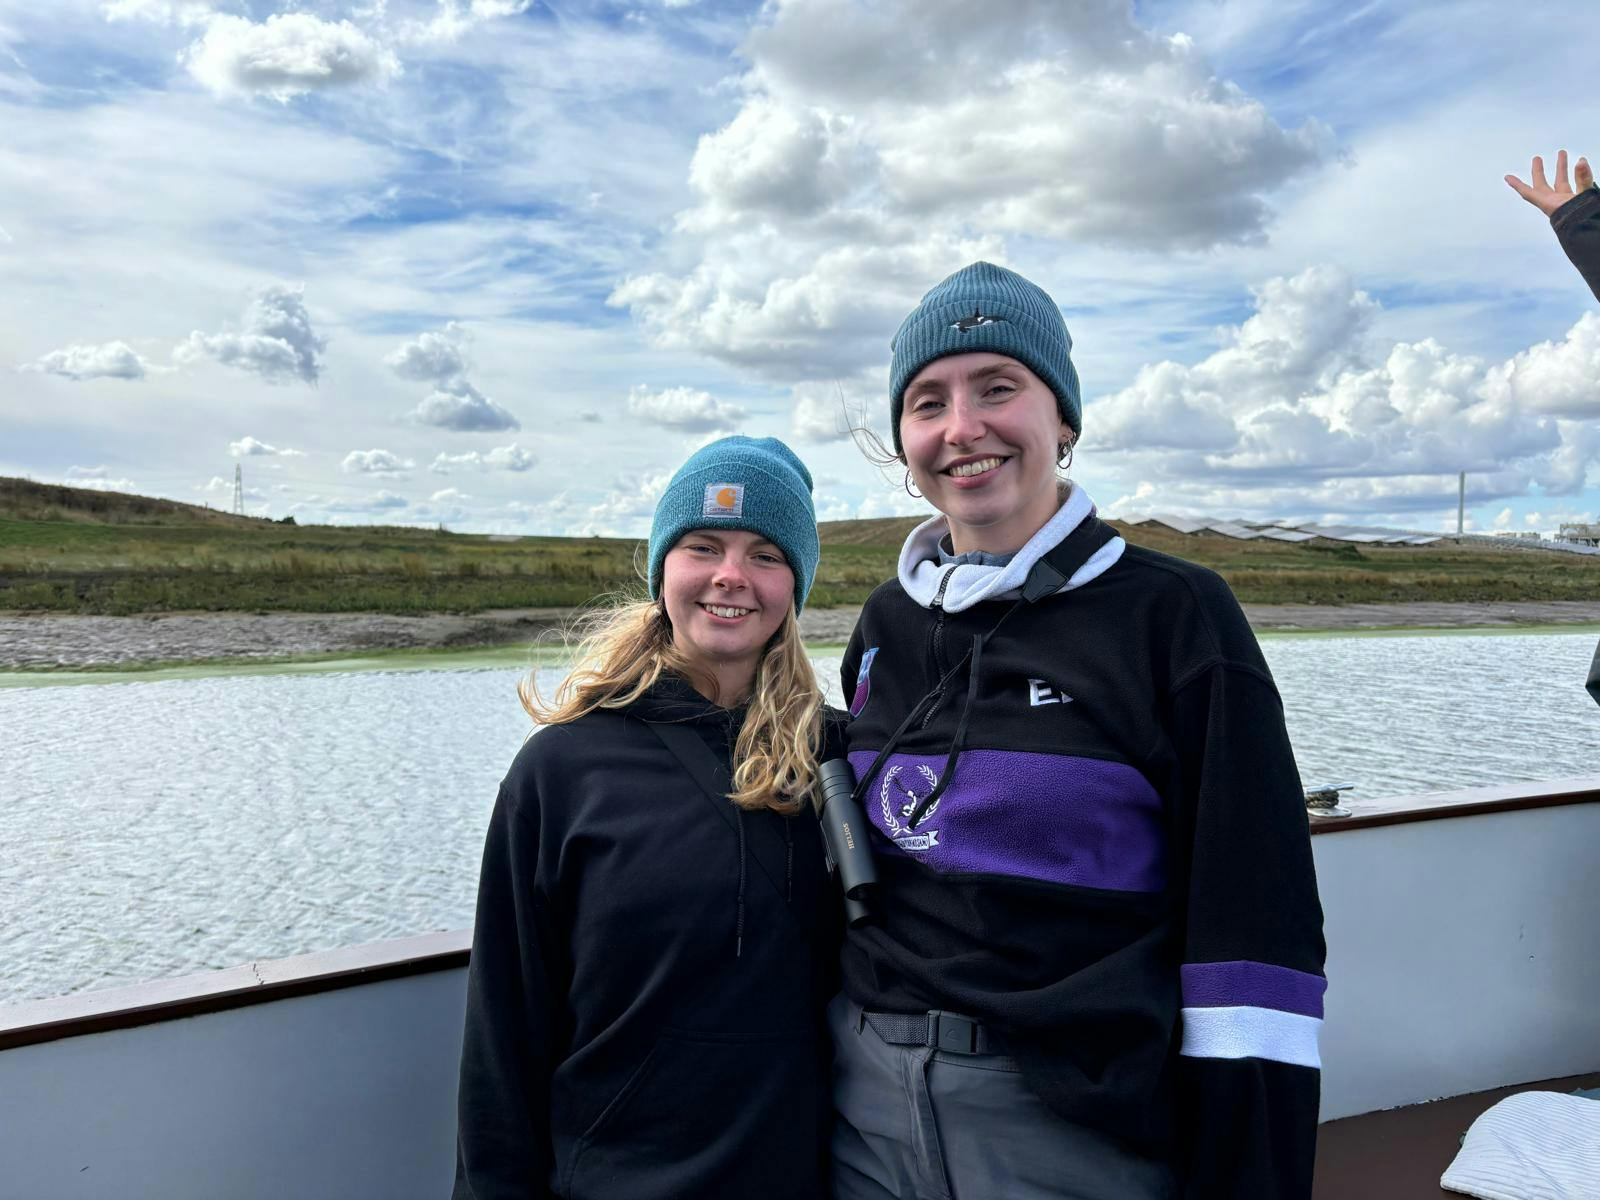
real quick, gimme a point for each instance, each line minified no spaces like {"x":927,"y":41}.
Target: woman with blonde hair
{"x":654,"y":940}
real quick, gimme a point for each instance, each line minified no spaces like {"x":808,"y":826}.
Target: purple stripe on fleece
{"x":1253,"y":984}
{"x":1051,"y":817}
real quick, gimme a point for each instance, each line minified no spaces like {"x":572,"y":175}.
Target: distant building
{"x":1583,"y":533}
{"x":1282,"y":531}
{"x":1521,"y":535}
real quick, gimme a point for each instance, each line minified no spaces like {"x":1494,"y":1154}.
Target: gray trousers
{"x":914,"y":1123}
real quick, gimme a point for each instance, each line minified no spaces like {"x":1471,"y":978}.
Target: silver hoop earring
{"x":1064,"y":455}
{"x":911,"y":491}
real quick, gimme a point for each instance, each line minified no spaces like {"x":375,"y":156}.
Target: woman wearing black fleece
{"x":652,"y":952}
{"x":1097,"y":972}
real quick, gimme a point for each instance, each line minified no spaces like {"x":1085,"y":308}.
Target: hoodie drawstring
{"x":738,"y":926}
{"x":788,"y":861}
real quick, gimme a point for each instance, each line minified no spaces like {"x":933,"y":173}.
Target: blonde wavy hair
{"x":624,"y":649}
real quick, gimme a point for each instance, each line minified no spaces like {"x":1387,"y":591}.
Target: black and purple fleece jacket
{"x":1119,"y":878}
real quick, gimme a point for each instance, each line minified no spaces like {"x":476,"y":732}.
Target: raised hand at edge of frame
{"x":1544,"y":197}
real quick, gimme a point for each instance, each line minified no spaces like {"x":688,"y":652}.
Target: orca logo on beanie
{"x":976,"y":321}
{"x":986,"y":308}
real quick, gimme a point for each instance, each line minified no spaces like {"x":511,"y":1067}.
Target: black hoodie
{"x":649,"y":968}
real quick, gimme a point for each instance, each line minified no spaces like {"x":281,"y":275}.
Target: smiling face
{"x":726,"y":593}
{"x":981,"y":433}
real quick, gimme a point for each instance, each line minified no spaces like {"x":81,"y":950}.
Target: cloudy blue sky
{"x":502,"y":263}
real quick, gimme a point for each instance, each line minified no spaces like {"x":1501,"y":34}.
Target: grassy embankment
{"x":80,"y":551}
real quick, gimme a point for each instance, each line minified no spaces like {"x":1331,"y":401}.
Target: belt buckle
{"x":952,"y":1032}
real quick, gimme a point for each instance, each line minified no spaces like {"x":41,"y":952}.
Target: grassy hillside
{"x":80,"y":550}
{"x":25,"y":500}
{"x":77,"y":550}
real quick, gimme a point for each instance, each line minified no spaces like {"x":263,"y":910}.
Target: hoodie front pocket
{"x":706,"y":1115}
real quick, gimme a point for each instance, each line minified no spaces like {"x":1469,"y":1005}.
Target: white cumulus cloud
{"x":443,"y":464}
{"x":1301,"y":411}
{"x":459,"y":406}
{"x":287,"y":55}
{"x":453,"y":18}
{"x":832,"y":411}
{"x":165,"y":12}
{"x":880,"y":147}
{"x":683,"y":408}
{"x":439,"y":357}
{"x":501,"y":458}
{"x":109,"y":360}
{"x":509,"y":458}
{"x":275,"y":339}
{"x":98,"y":478}
{"x":374,"y":462}
{"x":217,"y":484}
{"x":1560,"y":378}
{"x":892,"y":502}
{"x":799,"y":311}
{"x":626,"y":509}
{"x":435,"y":356}
{"x":380,"y":501}
{"x":249,"y":447}
{"x":771,"y":158}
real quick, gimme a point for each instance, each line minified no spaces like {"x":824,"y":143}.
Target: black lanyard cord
{"x":949,"y":772}
{"x":974,"y":656}
{"x":911,"y":718}
{"x":1045,"y":579}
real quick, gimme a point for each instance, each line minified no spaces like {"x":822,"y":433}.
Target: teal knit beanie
{"x":755,"y":484}
{"x":992,"y":310}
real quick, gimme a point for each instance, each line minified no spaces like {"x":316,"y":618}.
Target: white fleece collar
{"x":970,"y":583}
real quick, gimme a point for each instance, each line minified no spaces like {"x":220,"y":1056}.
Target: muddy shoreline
{"x":54,"y":641}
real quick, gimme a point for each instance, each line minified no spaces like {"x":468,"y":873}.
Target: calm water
{"x":159,"y":828}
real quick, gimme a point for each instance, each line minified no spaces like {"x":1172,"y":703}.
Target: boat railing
{"x":1460,"y":958}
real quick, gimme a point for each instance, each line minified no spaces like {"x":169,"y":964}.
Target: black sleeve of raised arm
{"x":503,"y":1110}
{"x":1577,"y":224}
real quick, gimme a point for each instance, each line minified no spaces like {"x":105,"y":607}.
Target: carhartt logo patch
{"x":1042,"y":691}
{"x":975,"y":321}
{"x":724,"y":500}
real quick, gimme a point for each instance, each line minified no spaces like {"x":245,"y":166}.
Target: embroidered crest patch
{"x":724,"y":500}
{"x":898,"y":793}
{"x":863,"y":683}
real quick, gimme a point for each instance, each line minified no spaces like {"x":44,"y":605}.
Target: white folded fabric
{"x":1531,"y":1146}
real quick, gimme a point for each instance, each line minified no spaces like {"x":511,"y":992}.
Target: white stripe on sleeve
{"x":1248,"y":1032}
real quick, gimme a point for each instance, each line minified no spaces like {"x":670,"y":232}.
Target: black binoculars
{"x":844,"y":833}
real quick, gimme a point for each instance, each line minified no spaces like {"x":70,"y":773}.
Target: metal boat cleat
{"x":1323,"y":801}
